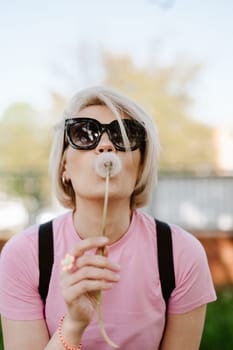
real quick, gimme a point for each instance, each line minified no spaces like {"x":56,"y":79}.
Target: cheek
{"x":70,"y":163}
{"x":75,"y":163}
{"x":132,"y":166}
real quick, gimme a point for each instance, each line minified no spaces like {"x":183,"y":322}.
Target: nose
{"x":105,"y":144}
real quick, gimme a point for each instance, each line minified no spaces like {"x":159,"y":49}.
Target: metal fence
{"x":194,"y":202}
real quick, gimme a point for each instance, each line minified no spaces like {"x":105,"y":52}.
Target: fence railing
{"x":194,"y":202}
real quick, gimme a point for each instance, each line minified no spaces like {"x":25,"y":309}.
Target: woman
{"x":100,"y":121}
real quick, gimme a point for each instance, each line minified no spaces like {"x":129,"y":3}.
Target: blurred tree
{"x":24,"y":149}
{"x":58,"y":103}
{"x":164,"y":91}
{"x":24,"y":141}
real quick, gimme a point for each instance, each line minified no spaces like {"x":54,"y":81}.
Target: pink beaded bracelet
{"x":62,"y":340}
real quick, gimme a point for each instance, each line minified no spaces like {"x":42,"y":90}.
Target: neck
{"x":88,"y":219}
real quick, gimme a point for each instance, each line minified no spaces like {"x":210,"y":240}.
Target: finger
{"x":102,"y":251}
{"x":69,"y":263}
{"x":94,"y":273}
{"x":89,"y":243}
{"x":85,"y":286}
{"x":97,"y":261}
{"x":91,"y":273}
{"x":106,"y":251}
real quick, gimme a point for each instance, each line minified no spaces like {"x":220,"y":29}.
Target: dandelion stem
{"x":108,"y":166}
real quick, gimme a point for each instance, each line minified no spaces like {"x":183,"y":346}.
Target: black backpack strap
{"x":45,"y":251}
{"x":165,"y":259}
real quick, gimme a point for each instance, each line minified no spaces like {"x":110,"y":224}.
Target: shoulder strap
{"x":45,"y":244}
{"x":165,"y":259}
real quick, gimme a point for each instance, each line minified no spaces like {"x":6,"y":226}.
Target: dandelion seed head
{"x":107,"y":160}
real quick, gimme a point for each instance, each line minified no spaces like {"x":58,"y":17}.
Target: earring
{"x":63,"y":180}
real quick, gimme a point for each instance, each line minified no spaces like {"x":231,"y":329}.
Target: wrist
{"x":70,"y":332}
{"x":74,"y":325}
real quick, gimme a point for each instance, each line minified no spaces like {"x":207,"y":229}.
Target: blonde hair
{"x":118,"y":104}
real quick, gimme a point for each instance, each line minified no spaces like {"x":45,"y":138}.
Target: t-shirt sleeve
{"x":194,"y":285}
{"x":19,"y":275}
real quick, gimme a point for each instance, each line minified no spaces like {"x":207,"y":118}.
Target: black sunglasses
{"x":85,"y":133}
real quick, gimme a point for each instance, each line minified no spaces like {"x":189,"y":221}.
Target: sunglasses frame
{"x":140,"y":142}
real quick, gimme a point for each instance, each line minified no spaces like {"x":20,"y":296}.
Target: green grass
{"x":1,"y":341}
{"x":218,"y":331}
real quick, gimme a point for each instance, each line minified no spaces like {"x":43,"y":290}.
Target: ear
{"x":64,"y":176}
{"x":64,"y":172}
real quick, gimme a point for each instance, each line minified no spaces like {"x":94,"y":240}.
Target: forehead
{"x":101,"y":113}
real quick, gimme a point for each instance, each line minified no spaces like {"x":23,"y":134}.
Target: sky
{"x":39,"y":40}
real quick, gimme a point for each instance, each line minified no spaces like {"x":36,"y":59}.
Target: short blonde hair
{"x":118,"y":104}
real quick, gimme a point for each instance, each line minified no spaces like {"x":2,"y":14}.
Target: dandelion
{"x":107,"y":165}
{"x":104,"y":161}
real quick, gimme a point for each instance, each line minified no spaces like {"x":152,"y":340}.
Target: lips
{"x":105,"y":161}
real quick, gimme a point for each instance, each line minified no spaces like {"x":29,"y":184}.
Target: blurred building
{"x":203,"y":205}
{"x":197,"y":203}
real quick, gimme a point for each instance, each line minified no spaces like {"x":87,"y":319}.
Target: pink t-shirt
{"x":134,"y":310}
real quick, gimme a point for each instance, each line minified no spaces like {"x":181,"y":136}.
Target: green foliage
{"x":1,"y":340}
{"x":219,"y":323}
{"x":164,"y":92}
{"x":24,"y":141}
{"x":25,"y":134}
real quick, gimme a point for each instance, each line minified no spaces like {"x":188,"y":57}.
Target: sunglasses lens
{"x":84,"y":134}
{"x":116,"y":136}
{"x":134,"y":131}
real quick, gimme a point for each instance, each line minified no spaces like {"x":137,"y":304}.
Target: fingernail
{"x":103,"y":239}
{"x":117,"y":266}
{"x":107,"y":285}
